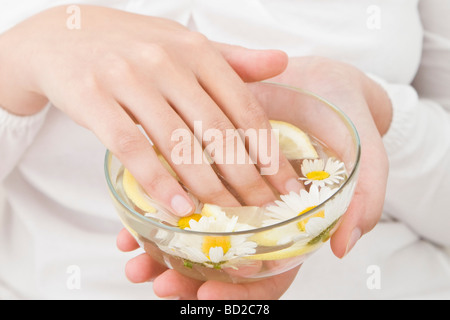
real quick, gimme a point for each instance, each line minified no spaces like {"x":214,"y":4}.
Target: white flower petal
{"x":190,"y":247}
{"x":216,"y":254}
{"x":334,"y":168}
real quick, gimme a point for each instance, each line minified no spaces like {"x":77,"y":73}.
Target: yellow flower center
{"x":184,"y":222}
{"x":212,"y":242}
{"x":317,"y":175}
{"x":301,"y":225}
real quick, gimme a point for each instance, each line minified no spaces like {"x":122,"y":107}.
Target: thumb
{"x":366,"y":206}
{"x":253,"y":65}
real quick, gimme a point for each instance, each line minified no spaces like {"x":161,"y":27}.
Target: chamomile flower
{"x":319,"y":173}
{"x":334,"y":209}
{"x":211,"y":250}
{"x":295,"y":204}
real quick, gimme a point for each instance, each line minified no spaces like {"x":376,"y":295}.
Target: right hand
{"x":120,"y":69}
{"x":370,"y":109}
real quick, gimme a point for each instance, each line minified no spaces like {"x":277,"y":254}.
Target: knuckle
{"x":233,"y":142}
{"x":90,"y":86}
{"x":153,"y":54}
{"x":195,"y":39}
{"x":126,"y":143}
{"x":156,"y":181}
{"x":115,"y":66}
{"x":182,"y":150}
{"x":253,"y":113}
{"x":221,"y":124}
{"x":233,"y":147}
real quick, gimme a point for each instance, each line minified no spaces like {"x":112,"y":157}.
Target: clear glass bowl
{"x":255,"y":251}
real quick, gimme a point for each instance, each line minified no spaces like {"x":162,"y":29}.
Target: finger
{"x":223,"y":142}
{"x":267,"y":289}
{"x":122,"y":137}
{"x":253,"y":65}
{"x":176,"y":143}
{"x":125,"y":241}
{"x":244,"y":111}
{"x":143,"y":268}
{"x":172,"y":284}
{"x":366,"y":206}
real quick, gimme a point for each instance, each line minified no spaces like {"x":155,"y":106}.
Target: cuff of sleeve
{"x":15,"y":123}
{"x":404,"y":101}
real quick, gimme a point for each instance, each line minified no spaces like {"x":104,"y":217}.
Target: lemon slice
{"x":135,"y":192}
{"x":293,"y":251}
{"x":294,"y":143}
{"x":272,"y":237}
{"x":211,"y":210}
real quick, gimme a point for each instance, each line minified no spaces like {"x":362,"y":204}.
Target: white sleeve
{"x":16,"y":134}
{"x":418,"y":141}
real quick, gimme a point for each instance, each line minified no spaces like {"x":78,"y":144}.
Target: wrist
{"x":379,"y":103}
{"x":16,"y":93}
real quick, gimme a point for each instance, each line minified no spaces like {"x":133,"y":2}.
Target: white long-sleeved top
{"x":58,"y":217}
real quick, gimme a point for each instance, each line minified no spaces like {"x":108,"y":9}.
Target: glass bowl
{"x":252,"y":243}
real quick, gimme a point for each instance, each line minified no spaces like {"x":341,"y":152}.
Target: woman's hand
{"x":369,"y":108}
{"x":170,"y":284}
{"x":120,"y":69}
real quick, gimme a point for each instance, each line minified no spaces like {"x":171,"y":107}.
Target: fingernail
{"x":181,"y":205}
{"x":293,"y":185}
{"x":354,"y":237}
{"x":269,"y":204}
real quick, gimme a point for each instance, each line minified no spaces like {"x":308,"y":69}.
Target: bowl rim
{"x":318,"y":208}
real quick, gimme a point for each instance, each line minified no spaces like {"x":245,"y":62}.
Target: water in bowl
{"x":269,"y":257}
